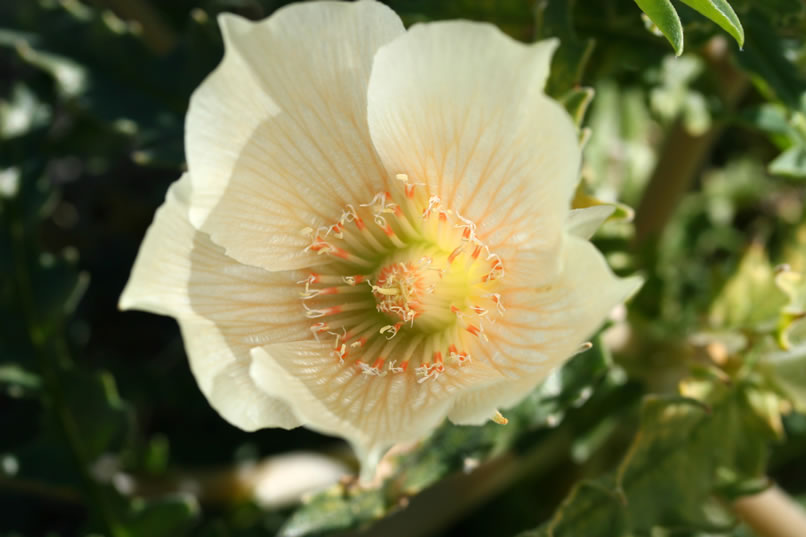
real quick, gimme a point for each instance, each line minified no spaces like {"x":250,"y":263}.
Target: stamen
{"x":432,"y":276}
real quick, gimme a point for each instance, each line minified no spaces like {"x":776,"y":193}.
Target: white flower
{"x":374,"y":233}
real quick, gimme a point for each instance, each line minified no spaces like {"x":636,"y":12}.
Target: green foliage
{"x":664,"y":17}
{"x":684,"y":453}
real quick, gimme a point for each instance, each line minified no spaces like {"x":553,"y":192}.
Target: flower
{"x":374,"y":233}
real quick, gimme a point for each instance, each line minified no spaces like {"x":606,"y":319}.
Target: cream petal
{"x":221,"y":367}
{"x":277,"y":137}
{"x":179,"y":271}
{"x":584,"y":222}
{"x":545,"y":324}
{"x":476,"y":407}
{"x":224,"y":308}
{"x":371,"y":412}
{"x":460,"y":106}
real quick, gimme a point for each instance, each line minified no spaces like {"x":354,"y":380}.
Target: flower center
{"x":409,"y":285}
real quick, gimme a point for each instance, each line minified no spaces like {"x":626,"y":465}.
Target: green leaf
{"x":685,"y":453}
{"x":790,"y":163}
{"x":721,"y":13}
{"x":773,"y":119}
{"x":766,"y":59}
{"x":750,"y":298}
{"x":335,"y":509}
{"x":663,"y":15}
{"x":101,"y":418}
{"x":576,"y":103}
{"x":554,"y":18}
{"x":17,"y":382}
{"x":169,"y":516}
{"x":785,"y":370}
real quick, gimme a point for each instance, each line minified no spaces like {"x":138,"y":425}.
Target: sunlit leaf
{"x":721,"y":13}
{"x":664,"y":16}
{"x":790,"y":163}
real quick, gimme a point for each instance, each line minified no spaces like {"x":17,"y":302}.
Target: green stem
{"x":51,"y":350}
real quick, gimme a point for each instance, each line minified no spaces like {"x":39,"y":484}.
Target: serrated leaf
{"x":721,"y":13}
{"x":750,"y":299}
{"x":790,"y":163}
{"x":665,"y":17}
{"x":684,"y":454}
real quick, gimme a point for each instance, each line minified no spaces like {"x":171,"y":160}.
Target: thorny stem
{"x":683,"y":154}
{"x":51,"y":351}
{"x":772,"y":513}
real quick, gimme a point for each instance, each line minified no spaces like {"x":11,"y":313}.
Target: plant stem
{"x":772,"y":513}
{"x":435,"y":508}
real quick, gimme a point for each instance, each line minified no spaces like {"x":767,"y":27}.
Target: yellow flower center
{"x":409,"y":286}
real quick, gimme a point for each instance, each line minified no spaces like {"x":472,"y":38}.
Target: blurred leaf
{"x":335,"y":509}
{"x":57,"y":284}
{"x":16,"y":381}
{"x":750,"y":298}
{"x":576,"y":102}
{"x":790,"y":163}
{"x":721,"y":13}
{"x":674,"y":96}
{"x":683,"y":455}
{"x":774,"y":120}
{"x":663,"y":15}
{"x":766,"y":58}
{"x":169,"y":516}
{"x":101,"y":418}
{"x":785,"y":370}
{"x":554,"y":19}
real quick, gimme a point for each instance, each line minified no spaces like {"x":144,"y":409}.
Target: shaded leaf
{"x":553,"y":18}
{"x":169,"y":516}
{"x":766,"y":60}
{"x":17,"y":382}
{"x":96,"y":410}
